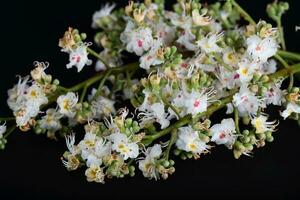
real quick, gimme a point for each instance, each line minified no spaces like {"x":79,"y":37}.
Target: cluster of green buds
{"x":248,"y":139}
{"x":3,"y":142}
{"x":276,"y":9}
{"x":225,"y":13}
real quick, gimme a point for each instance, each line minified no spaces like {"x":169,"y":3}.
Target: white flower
{"x":103,"y":12}
{"x":137,"y":40}
{"x":261,"y":125}
{"x":102,"y":107}
{"x":228,"y":79}
{"x":246,"y":71}
{"x":79,"y":58}
{"x":35,"y":96}
{"x":290,"y":108}
{"x":51,"y":121}
{"x":16,"y":94}
{"x":223,"y":133}
{"x":200,"y":20}
{"x":95,"y":173}
{"x":122,"y":145}
{"x":189,"y":141}
{"x":194,"y":102}
{"x":70,"y":142}
{"x":2,"y":130}
{"x":151,"y":58}
{"x":187,"y":39}
{"x":246,"y":102}
{"x":183,"y":21}
{"x":165,"y":33}
{"x":230,"y":57}
{"x":274,"y":95}
{"x":95,"y":156}
{"x":208,"y":44}
{"x":155,"y":112}
{"x":269,"y":67}
{"x":261,"y":49}
{"x":88,"y":143}
{"x":148,"y":164}
{"x":67,"y":104}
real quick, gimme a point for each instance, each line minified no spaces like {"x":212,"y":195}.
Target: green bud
{"x":177,"y":152}
{"x":128,"y":122}
{"x":166,"y":163}
{"x":245,"y":139}
{"x":248,"y":146}
{"x":252,"y":139}
{"x":183,"y":157}
{"x":189,"y":155}
{"x":237,"y":154}
{"x":239,"y":146}
{"x":269,"y":138}
{"x":204,"y":137}
{"x":295,"y":89}
{"x":56,"y":82}
{"x":246,"y":132}
{"x":83,"y":36}
{"x":264,"y":78}
{"x":172,"y":162}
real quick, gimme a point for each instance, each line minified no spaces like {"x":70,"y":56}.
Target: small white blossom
{"x":246,"y":71}
{"x":103,"y":12}
{"x":268,"y":67}
{"x":35,"y":96}
{"x":151,"y":58}
{"x":194,"y":102}
{"x":246,"y":102}
{"x":223,"y":133}
{"x":95,"y":174}
{"x":155,"y":113}
{"x":261,"y":49}
{"x":208,"y":44}
{"x":290,"y":108}
{"x":189,"y":141}
{"x":261,"y":125}
{"x":122,"y":145}
{"x":200,"y":20}
{"x":274,"y":95}
{"x":148,"y":164}
{"x":187,"y":40}
{"x":137,"y":40}
{"x":51,"y":121}
{"x":79,"y":58}
{"x":67,"y":104}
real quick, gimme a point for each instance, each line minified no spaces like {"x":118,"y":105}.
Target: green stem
{"x":171,"y":142}
{"x":166,"y":102}
{"x":7,"y":119}
{"x":99,"y":76}
{"x":236,"y":120}
{"x":282,"y":61}
{"x":281,"y":33}
{"x":92,"y":52}
{"x":289,"y":55}
{"x":10,"y":131}
{"x":83,"y":93}
{"x":243,"y":13}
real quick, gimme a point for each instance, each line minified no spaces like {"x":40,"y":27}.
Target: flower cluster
{"x":191,"y":62}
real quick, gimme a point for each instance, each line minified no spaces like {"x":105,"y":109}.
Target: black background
{"x":30,"y":166}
